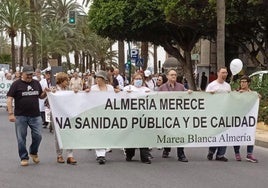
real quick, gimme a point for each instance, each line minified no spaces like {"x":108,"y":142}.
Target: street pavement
{"x":117,"y":173}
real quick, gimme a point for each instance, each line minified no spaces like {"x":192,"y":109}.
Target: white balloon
{"x":236,"y":66}
{"x":80,"y":74}
{"x":77,"y":69}
{"x":17,"y":69}
{"x":72,"y":71}
{"x":68,"y":72}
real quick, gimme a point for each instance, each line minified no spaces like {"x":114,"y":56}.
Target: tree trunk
{"x":144,"y":54}
{"x":13,"y":52}
{"x":220,"y":33}
{"x":83,"y":61}
{"x":185,"y":61}
{"x":34,"y":46}
{"x":68,"y":62}
{"x":21,"y":48}
{"x":76,"y":59}
{"x":188,"y":70}
{"x":121,"y":56}
{"x":155,"y":58}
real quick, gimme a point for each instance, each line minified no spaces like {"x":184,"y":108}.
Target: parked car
{"x":259,"y":79}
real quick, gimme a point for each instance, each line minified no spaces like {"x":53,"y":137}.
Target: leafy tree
{"x":247,"y":28}
{"x":173,"y":24}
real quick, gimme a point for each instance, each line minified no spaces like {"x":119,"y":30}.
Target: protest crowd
{"x":32,"y":109}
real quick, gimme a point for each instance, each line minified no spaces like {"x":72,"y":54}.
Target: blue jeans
{"x":21,"y":126}
{"x":220,"y":150}
{"x":249,"y":149}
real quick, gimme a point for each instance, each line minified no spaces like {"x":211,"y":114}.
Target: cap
{"x":147,"y":73}
{"x":102,"y":74}
{"x":28,"y":69}
{"x":48,"y":70}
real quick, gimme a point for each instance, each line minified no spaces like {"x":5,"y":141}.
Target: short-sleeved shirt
{"x":215,"y":86}
{"x":167,"y":87}
{"x":26,"y":95}
{"x":96,"y":87}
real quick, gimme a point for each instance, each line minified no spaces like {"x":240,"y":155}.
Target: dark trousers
{"x":43,"y":116}
{"x":220,"y":150}
{"x":249,"y":149}
{"x":180,"y":151}
{"x":144,"y":153}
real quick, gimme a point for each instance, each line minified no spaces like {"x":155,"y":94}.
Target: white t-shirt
{"x":120,"y":80}
{"x":150,"y":84}
{"x":44,"y":84}
{"x":217,"y":87}
{"x":96,"y":88}
{"x":133,"y":88}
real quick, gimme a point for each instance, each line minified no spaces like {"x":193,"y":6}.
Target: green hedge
{"x":263,"y":109}
{"x":263,"y":91}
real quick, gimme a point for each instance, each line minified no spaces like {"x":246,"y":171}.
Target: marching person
{"x":102,"y":86}
{"x":25,"y":92}
{"x":45,"y":83}
{"x":62,"y":84}
{"x":138,"y":85}
{"x":218,"y":86}
{"x":172,"y":85}
{"x":244,"y":87}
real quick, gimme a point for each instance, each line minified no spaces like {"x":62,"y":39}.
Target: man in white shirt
{"x":45,"y":83}
{"x":219,"y":86}
{"x":119,"y":78}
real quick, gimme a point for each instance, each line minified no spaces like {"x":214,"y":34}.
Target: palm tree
{"x":11,"y":16}
{"x":220,"y":33}
{"x":99,"y":49}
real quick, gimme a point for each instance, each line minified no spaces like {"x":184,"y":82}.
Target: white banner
{"x":4,"y":88}
{"x":155,"y":119}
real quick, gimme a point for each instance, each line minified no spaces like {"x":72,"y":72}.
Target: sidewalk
{"x":261,"y":135}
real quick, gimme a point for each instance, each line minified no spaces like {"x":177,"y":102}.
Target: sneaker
{"x":101,"y":160}
{"x":252,"y":159}
{"x":210,"y":156}
{"x":238,"y":157}
{"x":60,"y":159}
{"x":35,"y":158}
{"x":24,"y":162}
{"x":224,"y":159}
{"x":165,"y":154}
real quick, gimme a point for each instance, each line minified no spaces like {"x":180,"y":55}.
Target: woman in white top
{"x":138,"y":85}
{"x":101,"y":85}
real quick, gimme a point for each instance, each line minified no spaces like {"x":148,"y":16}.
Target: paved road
{"x":162,"y":173}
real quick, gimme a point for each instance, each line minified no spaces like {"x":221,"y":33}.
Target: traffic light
{"x":72,"y":17}
{"x":129,"y":62}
